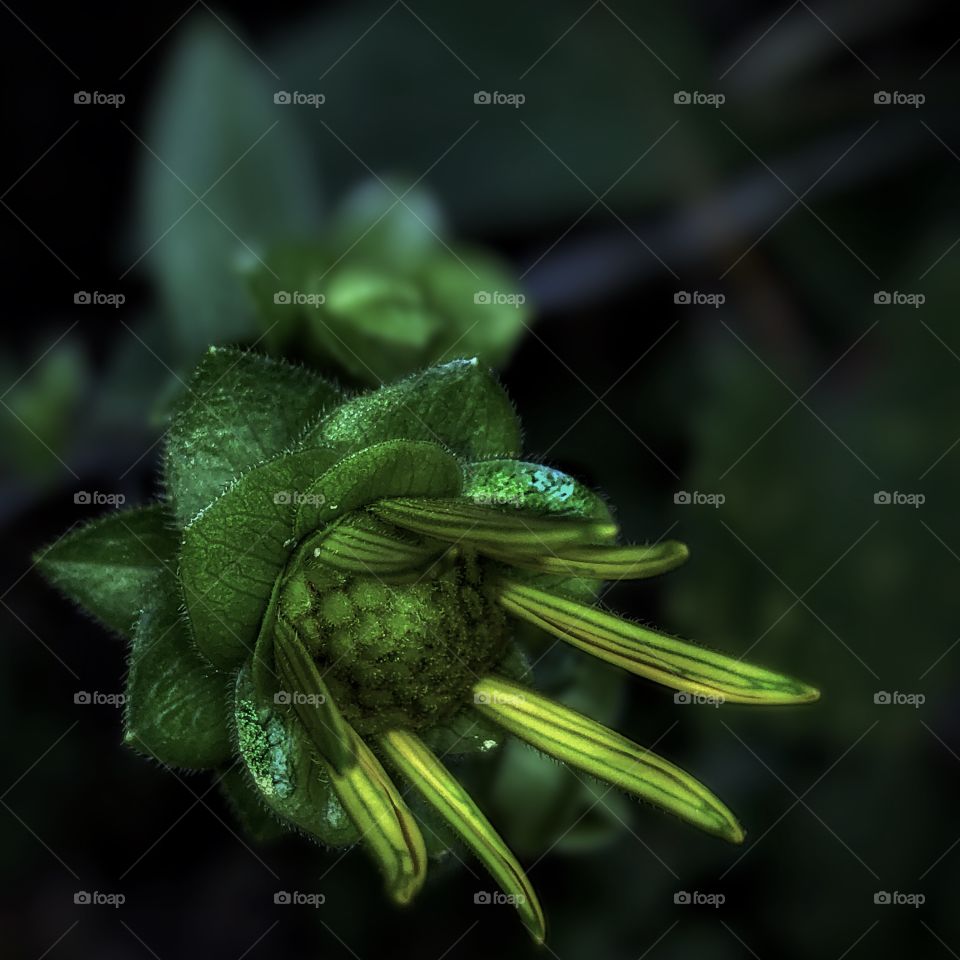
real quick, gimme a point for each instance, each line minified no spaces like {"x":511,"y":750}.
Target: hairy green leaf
{"x":284,"y":766}
{"x":236,"y":548}
{"x":240,"y":410}
{"x":107,"y":565}
{"x":176,"y":707}
{"x":395,"y":468}
{"x":255,"y":817}
{"x":458,"y":405}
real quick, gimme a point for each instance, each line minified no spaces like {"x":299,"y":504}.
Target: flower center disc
{"x":403,"y":651}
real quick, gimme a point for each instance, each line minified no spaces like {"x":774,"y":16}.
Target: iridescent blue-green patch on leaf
{"x":538,"y":489}
{"x":396,"y":468}
{"x":458,"y":405}
{"x":176,"y":703}
{"x":234,"y":551}
{"x":106,"y":566}
{"x":258,"y":822}
{"x":531,"y":487}
{"x":240,"y":410}
{"x":285,"y":768}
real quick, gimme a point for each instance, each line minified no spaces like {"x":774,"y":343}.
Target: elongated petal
{"x":491,"y":528}
{"x":386,"y":826}
{"x":310,"y":698}
{"x":366,"y":547}
{"x":603,"y":753}
{"x":676,"y":663}
{"x":604,"y":563}
{"x":419,"y":765}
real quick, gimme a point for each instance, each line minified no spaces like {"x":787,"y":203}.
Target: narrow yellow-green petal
{"x":387,"y":828}
{"x":603,"y":753}
{"x":364,"y":546}
{"x":307,"y":693}
{"x":493,"y":528}
{"x":668,"y":660}
{"x":604,"y":563}
{"x":419,"y":765}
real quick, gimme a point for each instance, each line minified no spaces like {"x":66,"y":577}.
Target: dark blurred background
{"x":750,"y":301}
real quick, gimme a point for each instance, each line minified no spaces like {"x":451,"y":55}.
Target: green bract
{"x":381,"y":292}
{"x":329,"y":592}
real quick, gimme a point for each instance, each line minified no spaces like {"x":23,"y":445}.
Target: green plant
{"x":350,"y":569}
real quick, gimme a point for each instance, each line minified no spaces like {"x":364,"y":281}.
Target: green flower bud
{"x":355,"y":571}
